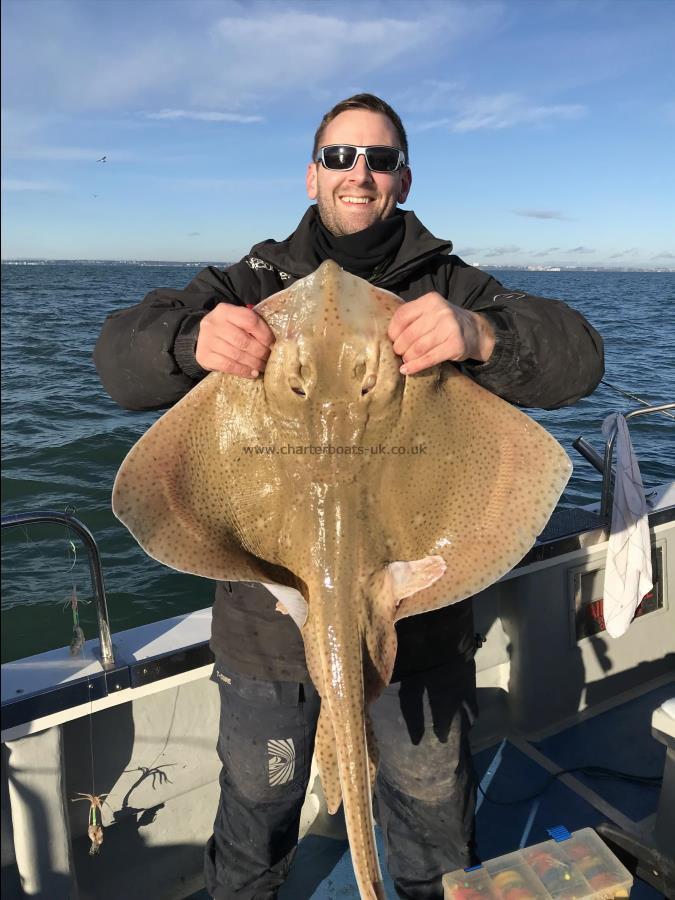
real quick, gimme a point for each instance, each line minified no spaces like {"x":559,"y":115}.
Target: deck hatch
{"x":587,"y":587}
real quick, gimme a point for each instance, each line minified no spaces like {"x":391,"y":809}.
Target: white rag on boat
{"x":628,"y":571}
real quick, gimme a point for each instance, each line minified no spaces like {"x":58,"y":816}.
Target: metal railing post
{"x":606,"y":500}
{"x":95,"y":568}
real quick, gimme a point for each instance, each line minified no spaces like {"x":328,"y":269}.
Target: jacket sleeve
{"x":546,"y":354}
{"x":145,"y":353}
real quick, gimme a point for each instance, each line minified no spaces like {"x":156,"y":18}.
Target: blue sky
{"x":540,"y":132}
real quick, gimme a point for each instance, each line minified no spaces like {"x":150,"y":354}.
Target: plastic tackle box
{"x":576,"y":866}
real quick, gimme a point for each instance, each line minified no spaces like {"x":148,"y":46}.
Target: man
{"x":530,"y":351}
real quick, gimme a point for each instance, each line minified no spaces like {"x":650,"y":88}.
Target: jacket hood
{"x":297,"y":254}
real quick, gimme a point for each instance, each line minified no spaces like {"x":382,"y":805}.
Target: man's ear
{"x":406,"y":184}
{"x":311,"y":181}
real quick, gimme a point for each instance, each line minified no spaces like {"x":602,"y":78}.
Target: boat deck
{"x":619,"y":738}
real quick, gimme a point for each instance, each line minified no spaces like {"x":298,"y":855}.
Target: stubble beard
{"x":334,"y":222}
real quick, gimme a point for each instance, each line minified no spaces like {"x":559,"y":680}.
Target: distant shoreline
{"x":37,"y":261}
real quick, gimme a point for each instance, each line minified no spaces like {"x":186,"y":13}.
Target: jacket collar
{"x":297,"y":256}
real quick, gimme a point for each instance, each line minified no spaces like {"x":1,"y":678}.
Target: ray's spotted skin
{"x":440,"y":488}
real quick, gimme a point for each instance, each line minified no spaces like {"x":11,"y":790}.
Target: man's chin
{"x":355,"y":222}
{"x":347,"y":221}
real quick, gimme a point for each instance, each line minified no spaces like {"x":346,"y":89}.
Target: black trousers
{"x":424,"y":794}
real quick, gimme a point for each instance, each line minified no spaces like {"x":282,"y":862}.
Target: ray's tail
{"x":352,"y":759}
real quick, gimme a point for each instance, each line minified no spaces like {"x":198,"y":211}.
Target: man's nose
{"x":361,"y":173}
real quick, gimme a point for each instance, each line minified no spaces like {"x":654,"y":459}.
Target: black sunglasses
{"x":343,"y":157}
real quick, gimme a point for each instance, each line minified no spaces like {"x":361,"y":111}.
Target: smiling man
{"x":528,"y":350}
{"x":358,"y":187}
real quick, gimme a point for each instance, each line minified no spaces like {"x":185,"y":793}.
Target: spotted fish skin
{"x":366,"y":536}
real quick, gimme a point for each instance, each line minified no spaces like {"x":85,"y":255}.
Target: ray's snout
{"x":331,"y":343}
{"x":350,"y":374}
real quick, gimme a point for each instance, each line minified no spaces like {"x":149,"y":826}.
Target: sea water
{"x":64,"y":438}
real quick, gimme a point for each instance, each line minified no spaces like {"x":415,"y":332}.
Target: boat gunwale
{"x":134,"y":671}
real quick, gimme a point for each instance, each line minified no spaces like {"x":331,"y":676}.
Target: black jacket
{"x":546,"y":355}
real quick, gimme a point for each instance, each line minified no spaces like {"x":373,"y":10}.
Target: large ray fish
{"x":367,"y":495}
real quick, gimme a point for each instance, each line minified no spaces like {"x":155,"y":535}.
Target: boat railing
{"x":95,"y":568}
{"x":603,"y":464}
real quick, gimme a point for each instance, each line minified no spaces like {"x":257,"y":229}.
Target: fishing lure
{"x":95,"y":829}
{"x":78,"y":639}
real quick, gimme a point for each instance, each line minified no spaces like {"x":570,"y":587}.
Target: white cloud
{"x":23,"y":124}
{"x":631,"y":252}
{"x":540,"y":214}
{"x":289,"y":49}
{"x":428,"y":96}
{"x":443,"y":122}
{"x":502,"y":251}
{"x":61,"y":154}
{"x":508,"y":110}
{"x":25,"y":135}
{"x":18,"y":184}
{"x":232,"y":63}
{"x":230,"y":184}
{"x":461,"y":111}
{"x":203,"y":116}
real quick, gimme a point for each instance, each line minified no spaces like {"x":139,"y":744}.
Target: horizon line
{"x":532,"y":267}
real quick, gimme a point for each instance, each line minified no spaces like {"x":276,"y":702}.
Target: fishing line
{"x":70,"y":511}
{"x":96,"y":801}
{"x":78,"y":639}
{"x":73,"y":548}
{"x":91,"y":738}
{"x":630,"y":396}
{"x":94,"y":826}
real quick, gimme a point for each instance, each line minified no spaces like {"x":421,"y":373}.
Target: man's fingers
{"x":225,"y":317}
{"x":216,"y":362}
{"x":426,"y":361}
{"x":253,"y":358}
{"x":420,"y":329}
{"x":243,"y":342}
{"x":236,"y":334}
{"x":430,"y":330}
{"x":254,"y":324}
{"x":426,"y":344}
{"x":240,"y":315}
{"x":402,"y":318}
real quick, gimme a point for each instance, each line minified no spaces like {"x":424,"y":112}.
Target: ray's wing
{"x":194,"y":497}
{"x":479,"y":493}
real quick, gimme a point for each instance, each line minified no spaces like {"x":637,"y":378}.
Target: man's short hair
{"x":362,"y":101}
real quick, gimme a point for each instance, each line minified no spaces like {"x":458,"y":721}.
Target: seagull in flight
{"x":102,"y":159}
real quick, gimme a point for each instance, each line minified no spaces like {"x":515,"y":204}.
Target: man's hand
{"x":235,"y":340}
{"x":431,"y":330}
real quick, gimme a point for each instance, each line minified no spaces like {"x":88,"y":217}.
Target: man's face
{"x":340,"y":195}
